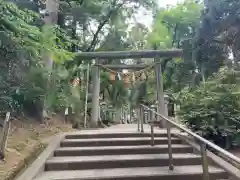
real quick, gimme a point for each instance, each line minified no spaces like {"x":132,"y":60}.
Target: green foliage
{"x":221,"y":21}
{"x":114,"y":91}
{"x":212,"y":108}
{"x":207,"y":32}
{"x":26,"y":44}
{"x":174,"y":27}
{"x":24,"y":41}
{"x":21,"y":27}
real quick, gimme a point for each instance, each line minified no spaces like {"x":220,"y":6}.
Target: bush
{"x":212,"y":109}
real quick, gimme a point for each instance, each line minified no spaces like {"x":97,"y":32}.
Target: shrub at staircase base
{"x":212,"y":109}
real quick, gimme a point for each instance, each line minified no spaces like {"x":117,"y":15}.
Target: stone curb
{"x":39,"y":164}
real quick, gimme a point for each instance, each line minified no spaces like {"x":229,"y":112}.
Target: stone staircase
{"x":123,"y":156}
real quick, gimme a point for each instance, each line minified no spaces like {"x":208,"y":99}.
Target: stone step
{"x":147,"y":173}
{"x":113,"y":135}
{"x":119,"y":161}
{"x":121,"y":150}
{"x":116,"y":142}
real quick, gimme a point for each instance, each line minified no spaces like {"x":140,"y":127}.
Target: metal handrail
{"x":203,"y":142}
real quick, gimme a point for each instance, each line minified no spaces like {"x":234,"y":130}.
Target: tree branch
{"x":174,"y":34}
{"x":100,"y":26}
{"x":69,"y":3}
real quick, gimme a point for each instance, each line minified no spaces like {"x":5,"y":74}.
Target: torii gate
{"x":98,"y":56}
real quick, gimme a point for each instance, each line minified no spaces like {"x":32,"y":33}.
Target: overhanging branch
{"x":100,"y":26}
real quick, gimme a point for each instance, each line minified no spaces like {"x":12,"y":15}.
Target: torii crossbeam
{"x":130,"y":54}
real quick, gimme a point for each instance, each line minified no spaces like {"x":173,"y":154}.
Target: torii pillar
{"x":95,"y":95}
{"x":160,"y":94}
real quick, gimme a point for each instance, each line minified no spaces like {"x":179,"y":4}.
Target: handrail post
{"x":145,"y":116}
{"x":141,"y":118}
{"x":204,"y":161}
{"x":152,"y":135}
{"x":138,"y":119}
{"x":130,"y":113}
{"x":151,"y":114}
{"x":171,"y":167}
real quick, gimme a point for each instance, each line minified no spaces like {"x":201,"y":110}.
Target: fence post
{"x":6,"y":128}
{"x":204,"y":161}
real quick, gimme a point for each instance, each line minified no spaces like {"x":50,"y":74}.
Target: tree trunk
{"x":236,"y":56}
{"x":50,"y":19}
{"x":203,"y":75}
{"x":74,"y":34}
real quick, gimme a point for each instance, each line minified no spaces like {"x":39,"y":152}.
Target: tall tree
{"x":175,"y":27}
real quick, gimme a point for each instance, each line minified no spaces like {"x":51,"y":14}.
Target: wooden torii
{"x":98,"y":56}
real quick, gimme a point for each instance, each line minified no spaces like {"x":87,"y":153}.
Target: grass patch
{"x":24,"y":163}
{"x":26,"y":141}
